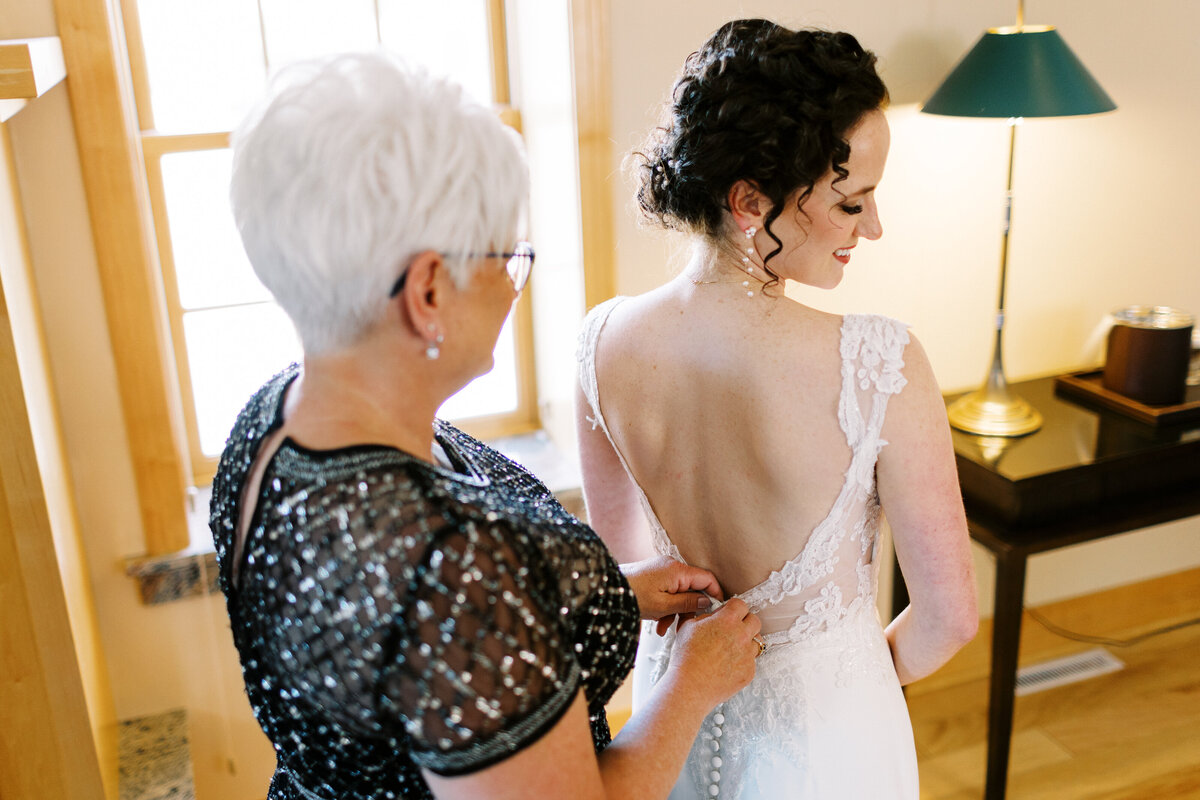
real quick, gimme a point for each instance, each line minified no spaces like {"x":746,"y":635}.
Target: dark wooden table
{"x":1086,"y":474}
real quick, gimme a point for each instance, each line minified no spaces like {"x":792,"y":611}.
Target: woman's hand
{"x":666,"y":589}
{"x":715,"y":653}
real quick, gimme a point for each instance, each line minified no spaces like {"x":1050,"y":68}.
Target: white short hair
{"x":352,"y":165}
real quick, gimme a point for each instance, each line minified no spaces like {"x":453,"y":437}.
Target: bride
{"x":735,"y":429}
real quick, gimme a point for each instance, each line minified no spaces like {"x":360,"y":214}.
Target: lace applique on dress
{"x":872,"y":359}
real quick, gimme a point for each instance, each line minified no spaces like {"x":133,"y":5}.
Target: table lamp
{"x":1012,"y":72}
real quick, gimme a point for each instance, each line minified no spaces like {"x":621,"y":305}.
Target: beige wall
{"x":1103,"y":214}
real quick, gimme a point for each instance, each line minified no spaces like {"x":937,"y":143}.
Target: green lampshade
{"x":1019,"y":72}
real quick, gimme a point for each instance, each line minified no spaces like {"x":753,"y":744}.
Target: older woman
{"x":416,"y":616}
{"x":760,"y":438}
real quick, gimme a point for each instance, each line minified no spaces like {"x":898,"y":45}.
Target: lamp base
{"x":987,"y":412}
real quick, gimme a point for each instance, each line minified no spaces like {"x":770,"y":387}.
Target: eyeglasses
{"x":519,"y":264}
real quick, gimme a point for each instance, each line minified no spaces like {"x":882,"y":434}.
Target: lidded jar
{"x":1148,"y":352}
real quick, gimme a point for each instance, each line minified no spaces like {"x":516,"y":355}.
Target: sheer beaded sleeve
{"x":484,"y":665}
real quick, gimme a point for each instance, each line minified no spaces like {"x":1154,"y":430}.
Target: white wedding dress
{"x":824,"y":716}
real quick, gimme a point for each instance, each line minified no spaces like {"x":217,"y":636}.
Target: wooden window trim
{"x":592,"y":56}
{"x":154,"y":147}
{"x":111,"y":160}
{"x":526,"y":418}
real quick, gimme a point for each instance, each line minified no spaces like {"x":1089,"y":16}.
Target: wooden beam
{"x":28,"y":69}
{"x":592,"y":56}
{"x":122,"y":230}
{"x":58,"y":736}
{"x":498,"y":32}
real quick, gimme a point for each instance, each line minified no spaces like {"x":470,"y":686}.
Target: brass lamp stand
{"x":993,"y":410}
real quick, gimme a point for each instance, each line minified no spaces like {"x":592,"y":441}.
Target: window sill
{"x":193,"y":572}
{"x":175,"y":576}
{"x":155,"y":759}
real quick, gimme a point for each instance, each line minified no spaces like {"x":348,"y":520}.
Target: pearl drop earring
{"x":432,"y":349}
{"x":746,"y":258}
{"x":749,"y":250}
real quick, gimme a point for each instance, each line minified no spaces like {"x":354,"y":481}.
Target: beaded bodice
{"x":391,"y":614}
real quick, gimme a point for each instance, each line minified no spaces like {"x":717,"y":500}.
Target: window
{"x":116,"y":151}
{"x":196,"y":69}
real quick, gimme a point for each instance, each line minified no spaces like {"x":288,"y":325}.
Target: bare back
{"x":725,"y":409}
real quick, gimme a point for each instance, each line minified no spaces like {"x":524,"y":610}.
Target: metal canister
{"x":1148,"y":352}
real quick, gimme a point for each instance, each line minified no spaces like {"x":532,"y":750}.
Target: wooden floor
{"x":1128,"y":735}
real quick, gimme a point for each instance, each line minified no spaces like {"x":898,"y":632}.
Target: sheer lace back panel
{"x":833,"y":576}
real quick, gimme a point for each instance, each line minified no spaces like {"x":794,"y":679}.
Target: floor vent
{"x":1061,"y":671}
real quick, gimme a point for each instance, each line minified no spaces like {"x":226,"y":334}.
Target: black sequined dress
{"x":392,"y":615}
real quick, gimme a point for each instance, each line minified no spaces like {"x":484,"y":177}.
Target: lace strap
{"x":872,"y":350}
{"x":585,"y":354}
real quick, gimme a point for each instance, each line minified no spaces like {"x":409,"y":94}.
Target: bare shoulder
{"x":637,"y":319}
{"x":822,"y":324}
{"x":673,"y":318}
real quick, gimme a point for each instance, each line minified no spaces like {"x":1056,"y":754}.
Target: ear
{"x":748,"y":205}
{"x":424,"y":293}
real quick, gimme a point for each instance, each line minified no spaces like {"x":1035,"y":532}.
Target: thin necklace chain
{"x":746,"y":267}
{"x":744,"y":282}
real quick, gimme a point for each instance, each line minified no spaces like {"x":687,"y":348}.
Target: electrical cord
{"x":1103,"y":640}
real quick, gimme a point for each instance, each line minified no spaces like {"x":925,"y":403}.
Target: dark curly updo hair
{"x":761,"y":103}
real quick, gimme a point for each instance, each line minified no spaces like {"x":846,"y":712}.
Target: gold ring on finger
{"x":762,"y":645}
